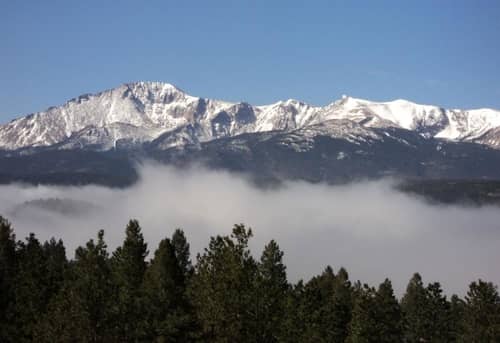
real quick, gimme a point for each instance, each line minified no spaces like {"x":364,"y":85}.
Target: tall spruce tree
{"x":376,"y":316}
{"x":55,"y":267}
{"x":327,"y":303}
{"x":8,"y":270}
{"x":340,"y":306}
{"x":482,"y":313}
{"x":30,"y":287}
{"x":222,"y":289}
{"x":427,"y":313}
{"x":363,"y":325}
{"x":316,"y":296}
{"x":182,"y":253}
{"x":440,"y":328}
{"x":80,"y":312}
{"x":413,"y":305}
{"x":457,"y":309}
{"x":389,"y":316}
{"x":295,"y":314}
{"x":128,"y":267}
{"x":273,"y":290}
{"x":166,"y":312}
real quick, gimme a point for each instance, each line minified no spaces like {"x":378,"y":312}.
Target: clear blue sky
{"x":443,"y":52}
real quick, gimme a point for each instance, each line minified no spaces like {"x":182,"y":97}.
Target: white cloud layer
{"x":372,"y":230}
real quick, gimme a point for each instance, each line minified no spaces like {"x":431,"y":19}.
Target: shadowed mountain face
{"x":100,"y":139}
{"x":272,"y":157}
{"x":63,"y":167}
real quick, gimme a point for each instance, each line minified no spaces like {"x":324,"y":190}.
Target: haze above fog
{"x":369,"y":228}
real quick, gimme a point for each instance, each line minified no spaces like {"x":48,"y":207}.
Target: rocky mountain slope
{"x":163,"y":115}
{"x":102,"y":138}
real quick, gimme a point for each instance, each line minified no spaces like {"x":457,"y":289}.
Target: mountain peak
{"x":145,"y":110}
{"x":155,"y":87}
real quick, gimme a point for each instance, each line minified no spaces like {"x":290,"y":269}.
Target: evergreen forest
{"x":139,"y":293}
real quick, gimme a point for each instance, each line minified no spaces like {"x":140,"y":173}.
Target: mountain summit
{"x":162,"y":114}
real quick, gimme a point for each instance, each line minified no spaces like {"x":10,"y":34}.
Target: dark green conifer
{"x":56,"y":265}
{"x":295,"y":314}
{"x":8,"y":270}
{"x":457,"y":309}
{"x":415,"y":310}
{"x":482,"y":313}
{"x":182,"y":253}
{"x":427,"y":313}
{"x":272,"y":293}
{"x":376,"y":316}
{"x":128,"y":266}
{"x":222,"y":288}
{"x":439,"y":315}
{"x":316,"y":301}
{"x":167,"y":317}
{"x":390,"y":317}
{"x":341,"y":307}
{"x":327,"y":302}
{"x":80,"y":312}
{"x":30,"y":287}
{"x":363,"y":326}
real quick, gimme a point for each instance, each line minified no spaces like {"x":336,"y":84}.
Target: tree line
{"x":226,"y":295}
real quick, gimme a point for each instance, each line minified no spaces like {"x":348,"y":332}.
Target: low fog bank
{"x":369,"y":228}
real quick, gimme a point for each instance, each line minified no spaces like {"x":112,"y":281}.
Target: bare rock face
{"x":145,"y":112}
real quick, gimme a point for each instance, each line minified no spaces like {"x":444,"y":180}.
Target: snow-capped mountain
{"x":161,"y":114}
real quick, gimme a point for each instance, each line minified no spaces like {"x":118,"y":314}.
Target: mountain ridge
{"x":139,"y":113}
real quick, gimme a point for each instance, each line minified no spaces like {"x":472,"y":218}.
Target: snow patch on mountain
{"x":164,"y":115}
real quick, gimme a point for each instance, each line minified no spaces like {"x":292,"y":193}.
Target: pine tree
{"x":273,"y":289}
{"x":327,"y":302}
{"x":427,"y":313}
{"x":80,"y":312}
{"x":167,"y":317}
{"x":390,"y":319}
{"x":376,"y":316}
{"x":182,"y":253}
{"x":363,"y":327}
{"x":40,"y":276}
{"x":316,"y":301}
{"x":341,"y":307}
{"x":30,"y":287}
{"x":66,"y":320}
{"x":294,"y":316}
{"x":482,"y":313}
{"x":8,"y":270}
{"x":457,"y":309}
{"x":413,"y":305}
{"x":440,"y":328}
{"x":128,"y":267}
{"x":222,"y":288}
{"x":55,"y":266}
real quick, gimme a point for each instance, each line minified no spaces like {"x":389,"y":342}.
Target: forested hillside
{"x":224,"y":295}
